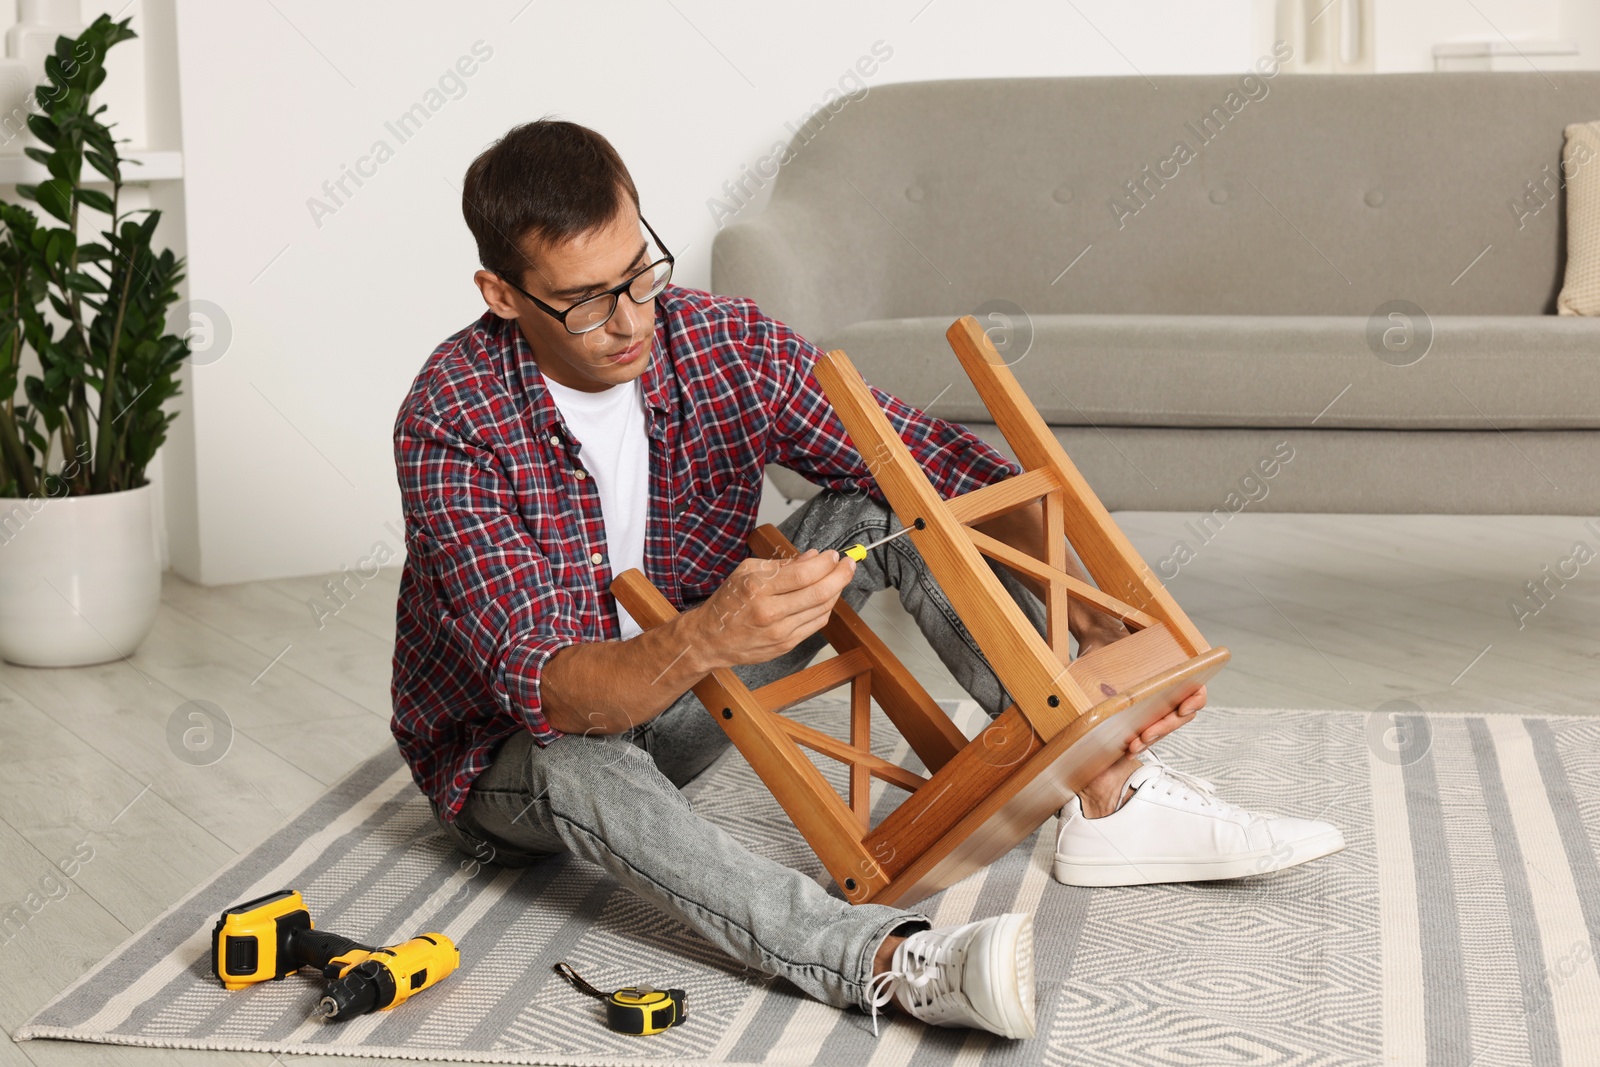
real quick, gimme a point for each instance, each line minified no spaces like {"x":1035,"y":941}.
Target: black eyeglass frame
{"x":615,"y":292}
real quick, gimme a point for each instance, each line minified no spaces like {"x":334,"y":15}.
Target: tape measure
{"x":636,"y":1010}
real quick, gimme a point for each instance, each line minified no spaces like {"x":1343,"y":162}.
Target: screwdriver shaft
{"x":891,"y":537}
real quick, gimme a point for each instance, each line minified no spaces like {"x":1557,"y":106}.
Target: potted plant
{"x":80,"y":571}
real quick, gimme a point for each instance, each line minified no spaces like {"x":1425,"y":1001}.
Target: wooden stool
{"x":1071,"y":718}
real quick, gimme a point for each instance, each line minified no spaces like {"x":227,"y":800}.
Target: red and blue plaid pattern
{"x":506,"y":553}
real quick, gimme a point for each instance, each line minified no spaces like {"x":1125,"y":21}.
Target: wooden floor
{"x":1319,"y":611}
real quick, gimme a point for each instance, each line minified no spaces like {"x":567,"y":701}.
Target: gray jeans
{"x":615,"y":800}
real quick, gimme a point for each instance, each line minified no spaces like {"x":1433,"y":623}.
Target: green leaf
{"x":36,"y":440}
{"x":64,"y":166}
{"x":58,"y":245}
{"x":84,"y":283}
{"x":44,"y":129}
{"x":48,"y":97}
{"x":56,"y":70}
{"x":15,"y":215}
{"x":99,"y":138}
{"x":105,"y":164}
{"x":97,"y":200}
{"x":55,"y":196}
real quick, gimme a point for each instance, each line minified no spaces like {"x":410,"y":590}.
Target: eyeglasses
{"x":593,"y":312}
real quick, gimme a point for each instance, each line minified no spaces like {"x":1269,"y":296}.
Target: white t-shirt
{"x":616,"y":454}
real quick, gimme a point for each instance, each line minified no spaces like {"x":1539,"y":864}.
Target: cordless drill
{"x":271,"y":937}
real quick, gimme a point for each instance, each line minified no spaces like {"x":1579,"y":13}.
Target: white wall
{"x":282,"y":464}
{"x":1407,"y":31}
{"x":290,"y":460}
{"x":1579,"y":21}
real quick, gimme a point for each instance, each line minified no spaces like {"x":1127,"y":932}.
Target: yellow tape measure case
{"x":643,"y":1011}
{"x":636,"y":1010}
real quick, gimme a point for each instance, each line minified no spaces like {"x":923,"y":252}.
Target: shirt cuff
{"x":523,"y":673}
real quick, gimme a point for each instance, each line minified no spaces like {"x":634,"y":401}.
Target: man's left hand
{"x":1184,"y":713}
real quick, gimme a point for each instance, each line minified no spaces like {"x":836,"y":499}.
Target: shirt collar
{"x":652,"y":384}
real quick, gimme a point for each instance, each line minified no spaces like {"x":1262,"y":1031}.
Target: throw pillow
{"x":1580,"y":167}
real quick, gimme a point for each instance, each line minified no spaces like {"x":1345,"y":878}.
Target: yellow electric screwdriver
{"x":271,"y":937}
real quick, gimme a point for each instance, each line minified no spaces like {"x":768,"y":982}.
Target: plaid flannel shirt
{"x":506,"y":557}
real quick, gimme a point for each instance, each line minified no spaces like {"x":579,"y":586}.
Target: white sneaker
{"x":978,"y":975}
{"x":1174,"y":828}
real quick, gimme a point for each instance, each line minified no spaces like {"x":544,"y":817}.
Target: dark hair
{"x":550,"y":179}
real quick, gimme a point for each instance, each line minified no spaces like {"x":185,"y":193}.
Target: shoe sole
{"x":1011,"y":954}
{"x":1103,"y":873}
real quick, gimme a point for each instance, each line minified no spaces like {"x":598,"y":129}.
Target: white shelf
{"x":156,"y":166}
{"x":1506,"y":55}
{"x":1477,"y":49}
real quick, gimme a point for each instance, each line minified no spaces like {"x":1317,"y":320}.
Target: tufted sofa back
{"x":1217,"y":194}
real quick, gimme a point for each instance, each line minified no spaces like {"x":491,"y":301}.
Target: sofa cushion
{"x":1219,"y":472}
{"x":1476,"y":373}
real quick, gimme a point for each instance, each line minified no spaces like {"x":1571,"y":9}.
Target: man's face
{"x":562,"y":275}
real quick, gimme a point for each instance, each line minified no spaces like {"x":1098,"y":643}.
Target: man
{"x":596,"y":418}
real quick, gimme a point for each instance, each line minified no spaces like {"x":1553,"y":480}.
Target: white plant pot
{"x":80,"y":577}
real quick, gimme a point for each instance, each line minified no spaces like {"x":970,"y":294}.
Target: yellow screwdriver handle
{"x":857,"y":552}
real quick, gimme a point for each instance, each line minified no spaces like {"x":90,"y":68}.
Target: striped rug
{"x":1459,"y":927}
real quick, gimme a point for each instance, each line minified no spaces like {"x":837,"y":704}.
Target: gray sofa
{"x":1241,"y":295}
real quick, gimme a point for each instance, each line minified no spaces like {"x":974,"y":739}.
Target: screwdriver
{"x":859,"y":552}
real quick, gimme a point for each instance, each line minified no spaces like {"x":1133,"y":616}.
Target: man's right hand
{"x":768,"y":606}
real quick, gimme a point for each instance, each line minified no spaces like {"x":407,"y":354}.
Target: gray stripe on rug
{"x":1569,"y":819}
{"x":778,"y":1007}
{"x":1489,"y":971}
{"x":1446,"y":1020}
{"x":1543,"y":1044}
{"x":999,"y":893}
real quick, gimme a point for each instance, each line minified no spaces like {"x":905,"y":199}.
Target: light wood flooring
{"x":1320,"y":611}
